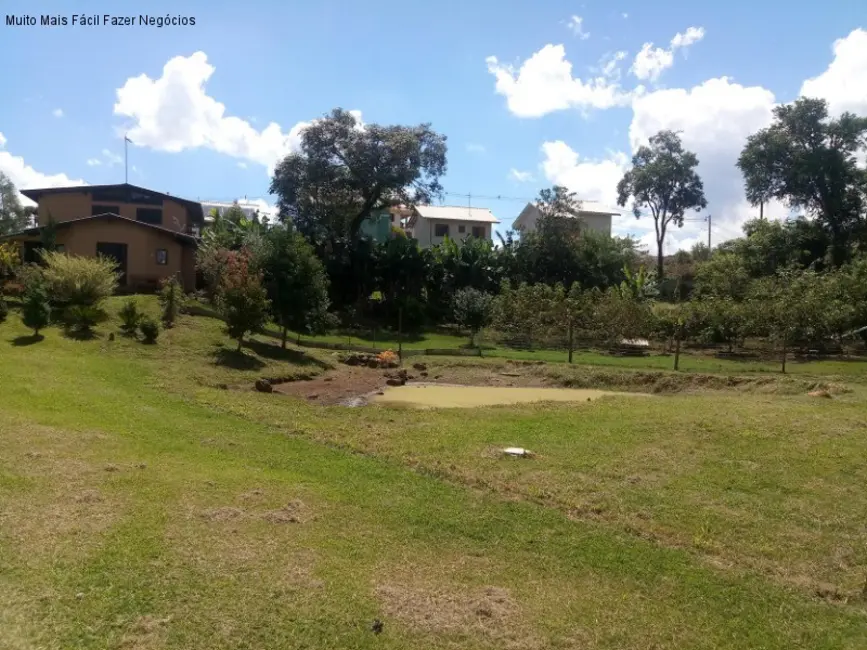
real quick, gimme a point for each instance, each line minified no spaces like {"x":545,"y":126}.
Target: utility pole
{"x":708,"y":233}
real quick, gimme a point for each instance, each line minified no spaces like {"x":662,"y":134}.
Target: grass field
{"x":143,"y":505}
{"x":689,"y":362}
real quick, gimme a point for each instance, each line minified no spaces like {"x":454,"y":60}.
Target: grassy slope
{"x":139,"y":507}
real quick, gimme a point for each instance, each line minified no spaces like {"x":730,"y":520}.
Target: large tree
{"x":346,"y":170}
{"x":809,"y":161}
{"x":13,"y":216}
{"x":662,"y":180}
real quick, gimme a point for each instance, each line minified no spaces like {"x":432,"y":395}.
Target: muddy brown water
{"x":454,"y":396}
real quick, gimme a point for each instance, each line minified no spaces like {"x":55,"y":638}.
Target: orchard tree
{"x":662,"y":180}
{"x":472,"y":310}
{"x":809,"y":160}
{"x":241,"y":298}
{"x":295,"y":282}
{"x":346,"y":170}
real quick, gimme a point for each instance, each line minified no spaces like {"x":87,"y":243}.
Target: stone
{"x":419,"y":366}
{"x":394,"y":381}
{"x":264,"y":386}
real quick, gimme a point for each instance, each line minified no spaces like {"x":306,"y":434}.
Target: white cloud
{"x":23,"y":176}
{"x":174,"y":112}
{"x":111,"y":158}
{"x":576,"y":24}
{"x":714,"y":119}
{"x":521,"y":177}
{"x":242,"y":165}
{"x":475,"y":147}
{"x":844,"y":83}
{"x":93,"y":162}
{"x":690,"y":36}
{"x":592,"y":180}
{"x":625,"y":15}
{"x":57,"y":112}
{"x":651,"y":61}
{"x":609,"y":65}
{"x":544,"y":83}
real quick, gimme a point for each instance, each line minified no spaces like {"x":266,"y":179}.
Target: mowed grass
{"x":143,"y":506}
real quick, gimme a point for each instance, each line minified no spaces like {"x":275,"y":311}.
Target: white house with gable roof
{"x":431,"y":224}
{"x":595,"y":216}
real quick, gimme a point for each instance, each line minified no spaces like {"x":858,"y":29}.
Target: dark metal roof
{"x":182,"y":237}
{"x":195,"y":208}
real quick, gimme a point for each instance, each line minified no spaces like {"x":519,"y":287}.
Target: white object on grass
{"x":517,"y":451}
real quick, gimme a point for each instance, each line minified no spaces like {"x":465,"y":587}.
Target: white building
{"x":594,"y":215}
{"x":249,"y":208}
{"x":431,"y":224}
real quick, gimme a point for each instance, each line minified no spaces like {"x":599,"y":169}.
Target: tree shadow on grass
{"x":29,"y":339}
{"x":230,"y":358}
{"x":275,"y":352}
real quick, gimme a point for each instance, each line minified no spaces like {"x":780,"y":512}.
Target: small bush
{"x":83,"y":318}
{"x":130,"y":317}
{"x":81,"y":281}
{"x":4,"y":309}
{"x":35,"y":309}
{"x":150,"y":329}
{"x":171,"y":300}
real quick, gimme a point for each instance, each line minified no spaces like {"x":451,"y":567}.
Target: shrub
{"x":84,"y":281}
{"x":150,"y":329}
{"x":9,"y":259}
{"x":241,"y":298}
{"x":4,"y":309}
{"x":130,"y":317}
{"x":83,"y":318}
{"x":473,"y":310}
{"x":35,"y":309}
{"x":171,"y":300}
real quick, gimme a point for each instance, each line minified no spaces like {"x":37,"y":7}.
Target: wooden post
{"x":571,"y":340}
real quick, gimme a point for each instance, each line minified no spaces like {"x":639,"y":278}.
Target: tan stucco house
{"x":594,"y":216}
{"x":432,"y":224}
{"x":151,"y":235}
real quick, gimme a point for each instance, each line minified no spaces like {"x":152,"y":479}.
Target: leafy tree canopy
{"x":345,"y":170}
{"x":662,"y":180}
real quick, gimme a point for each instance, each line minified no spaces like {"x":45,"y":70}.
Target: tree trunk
{"x":784,"y":357}
{"x":240,"y":342}
{"x":283,"y":337}
{"x":571,"y":341}
{"x":659,"y":264}
{"x":677,"y":349}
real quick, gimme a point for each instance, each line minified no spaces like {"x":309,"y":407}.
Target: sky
{"x":529,"y":94}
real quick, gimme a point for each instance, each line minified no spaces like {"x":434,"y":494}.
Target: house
{"x":249,"y":208}
{"x":595,"y":216}
{"x":151,"y":235}
{"x":431,"y":224}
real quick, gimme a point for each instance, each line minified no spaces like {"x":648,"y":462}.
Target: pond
{"x":455,"y":396}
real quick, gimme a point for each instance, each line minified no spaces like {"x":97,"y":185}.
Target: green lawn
{"x":143,"y":505}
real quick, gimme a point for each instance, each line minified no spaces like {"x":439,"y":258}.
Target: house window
{"x":97,"y":208}
{"x":479,"y":232}
{"x":441,"y":230}
{"x":162,"y":256}
{"x":462,"y":229}
{"x":149,"y":215}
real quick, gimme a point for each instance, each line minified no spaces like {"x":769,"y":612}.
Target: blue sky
{"x":557,"y":103}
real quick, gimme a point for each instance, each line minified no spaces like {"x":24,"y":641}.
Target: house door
{"x":117,"y":252}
